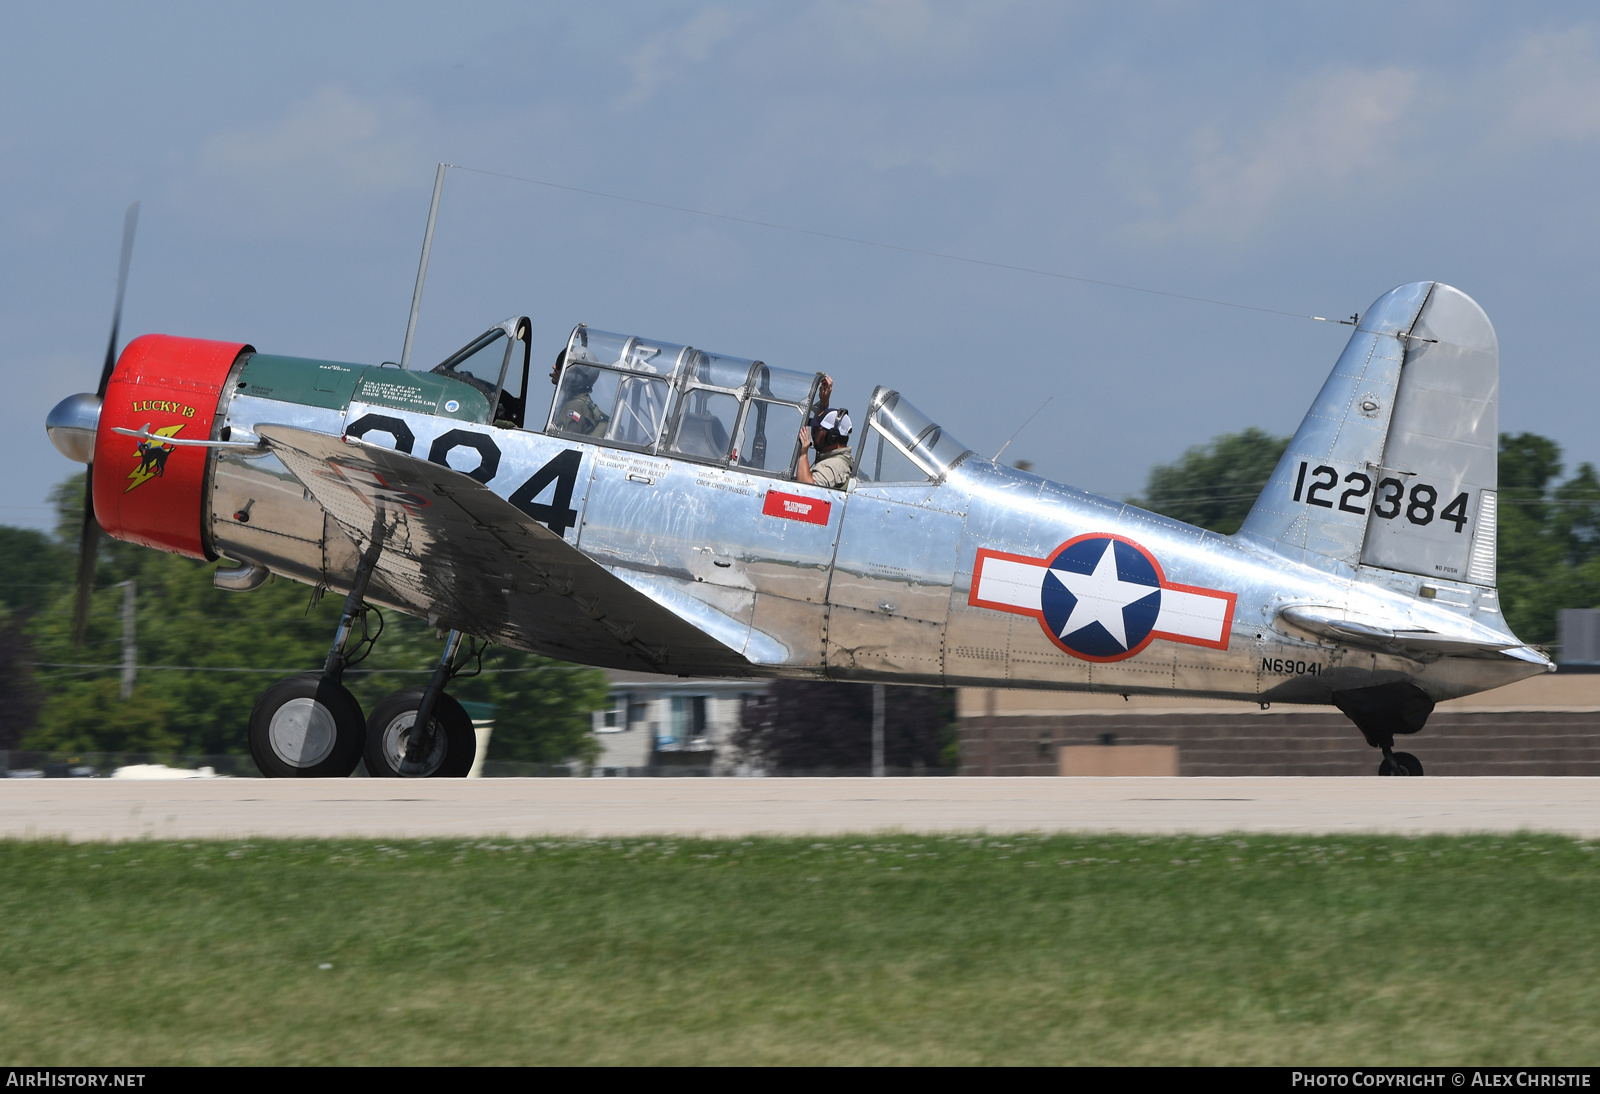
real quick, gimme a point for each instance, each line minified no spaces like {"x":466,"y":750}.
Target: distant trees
{"x":33,"y":567}
{"x":1549,"y":536}
{"x":21,"y":706}
{"x":226,"y":648}
{"x":543,"y":708}
{"x":1214,"y":485}
{"x":1549,"y":529}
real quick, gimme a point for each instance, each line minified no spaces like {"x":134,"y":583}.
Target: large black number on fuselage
{"x":488,"y":452}
{"x":558,"y":515}
{"x":404,"y":439}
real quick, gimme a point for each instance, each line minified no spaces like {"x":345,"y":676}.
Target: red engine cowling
{"x":145,"y":492}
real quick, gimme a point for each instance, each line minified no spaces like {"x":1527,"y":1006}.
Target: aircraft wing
{"x":463,"y":557}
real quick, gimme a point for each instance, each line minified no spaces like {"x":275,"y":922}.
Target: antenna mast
{"x":422,"y":267}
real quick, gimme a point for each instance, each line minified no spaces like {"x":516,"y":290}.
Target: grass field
{"x":910,"y":949}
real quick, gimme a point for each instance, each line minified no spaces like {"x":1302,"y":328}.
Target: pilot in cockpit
{"x":579,"y":414}
{"x":829,"y":432}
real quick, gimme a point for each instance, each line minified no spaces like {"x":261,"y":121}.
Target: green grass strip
{"x":865,"y":950}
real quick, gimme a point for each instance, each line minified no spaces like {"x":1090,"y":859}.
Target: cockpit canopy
{"x":657,"y":397}
{"x":629,"y":392}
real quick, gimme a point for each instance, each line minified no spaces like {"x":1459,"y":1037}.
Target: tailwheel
{"x":306,"y":727}
{"x":1399,"y":763}
{"x":450,"y":755}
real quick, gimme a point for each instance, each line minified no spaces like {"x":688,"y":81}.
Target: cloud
{"x":1335,"y":131}
{"x":867,"y":33}
{"x":820,"y":43}
{"x":1550,"y":89}
{"x":325,"y":151}
{"x":662,"y":57}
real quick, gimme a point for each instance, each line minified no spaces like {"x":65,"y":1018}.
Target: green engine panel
{"x":334,"y":385}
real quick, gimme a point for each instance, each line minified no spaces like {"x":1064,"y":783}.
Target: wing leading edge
{"x":461,"y":556}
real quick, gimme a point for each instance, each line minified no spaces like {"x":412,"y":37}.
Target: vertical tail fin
{"x":1395,"y":464}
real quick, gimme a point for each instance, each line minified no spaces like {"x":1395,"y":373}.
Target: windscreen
{"x":480,"y":358}
{"x":496,"y":363}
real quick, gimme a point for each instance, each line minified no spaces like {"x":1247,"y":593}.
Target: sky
{"x":1287,"y":160}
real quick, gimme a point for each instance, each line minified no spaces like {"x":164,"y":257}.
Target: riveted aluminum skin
{"x":259,"y":511}
{"x":1368,"y":558}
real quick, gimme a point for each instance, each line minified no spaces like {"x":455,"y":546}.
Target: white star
{"x":1101,"y":597}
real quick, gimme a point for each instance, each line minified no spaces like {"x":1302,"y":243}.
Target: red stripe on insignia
{"x":796,"y":507}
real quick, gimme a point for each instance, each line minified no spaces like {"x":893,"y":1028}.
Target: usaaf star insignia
{"x":1102,"y":597}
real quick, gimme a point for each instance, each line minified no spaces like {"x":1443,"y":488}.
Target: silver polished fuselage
{"x":871,"y":584}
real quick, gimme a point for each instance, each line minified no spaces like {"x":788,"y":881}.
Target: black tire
{"x":1400,"y":763}
{"x":389,"y":728}
{"x":306,"y":727}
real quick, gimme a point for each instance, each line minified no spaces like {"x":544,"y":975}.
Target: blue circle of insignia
{"x":451,"y":407}
{"x":1084,"y":632}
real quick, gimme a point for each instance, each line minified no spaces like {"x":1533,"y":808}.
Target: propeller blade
{"x":130,"y":222}
{"x":88,"y":547}
{"x":89,"y":541}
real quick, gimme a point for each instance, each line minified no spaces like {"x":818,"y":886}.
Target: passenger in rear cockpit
{"x":578,"y":413}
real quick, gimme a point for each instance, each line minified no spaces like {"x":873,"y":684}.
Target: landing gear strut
{"x":1381,"y":712}
{"x":444,"y":749}
{"x":310,"y":726}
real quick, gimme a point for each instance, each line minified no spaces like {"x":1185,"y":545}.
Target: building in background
{"x":663,"y":725}
{"x":1545,"y":725}
{"x":1578,"y":632}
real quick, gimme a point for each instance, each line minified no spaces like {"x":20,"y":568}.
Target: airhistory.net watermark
{"x":68,"y":1077}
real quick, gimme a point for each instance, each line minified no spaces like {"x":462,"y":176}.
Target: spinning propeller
{"x":89,"y":542}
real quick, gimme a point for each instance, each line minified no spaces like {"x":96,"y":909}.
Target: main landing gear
{"x":394,"y":747}
{"x":306,"y":727}
{"x":1383,"y":711}
{"x":310,"y":727}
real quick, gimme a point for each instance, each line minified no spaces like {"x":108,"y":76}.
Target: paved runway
{"x":94,"y":809}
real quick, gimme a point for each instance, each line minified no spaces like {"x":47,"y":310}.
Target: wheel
{"x":1400,"y":763}
{"x":306,"y":727}
{"x":455,"y":744}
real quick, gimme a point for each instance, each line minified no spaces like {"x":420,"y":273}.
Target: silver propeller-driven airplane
{"x":654,"y":520}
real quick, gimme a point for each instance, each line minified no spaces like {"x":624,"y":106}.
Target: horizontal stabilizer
{"x":1371,"y":632}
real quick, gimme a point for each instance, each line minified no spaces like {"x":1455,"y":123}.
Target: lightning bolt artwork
{"x":152,"y":458}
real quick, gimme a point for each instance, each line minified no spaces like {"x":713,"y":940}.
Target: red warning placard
{"x":796,"y":507}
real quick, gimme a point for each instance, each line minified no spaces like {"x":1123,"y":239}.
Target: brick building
{"x":1548,"y":725}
